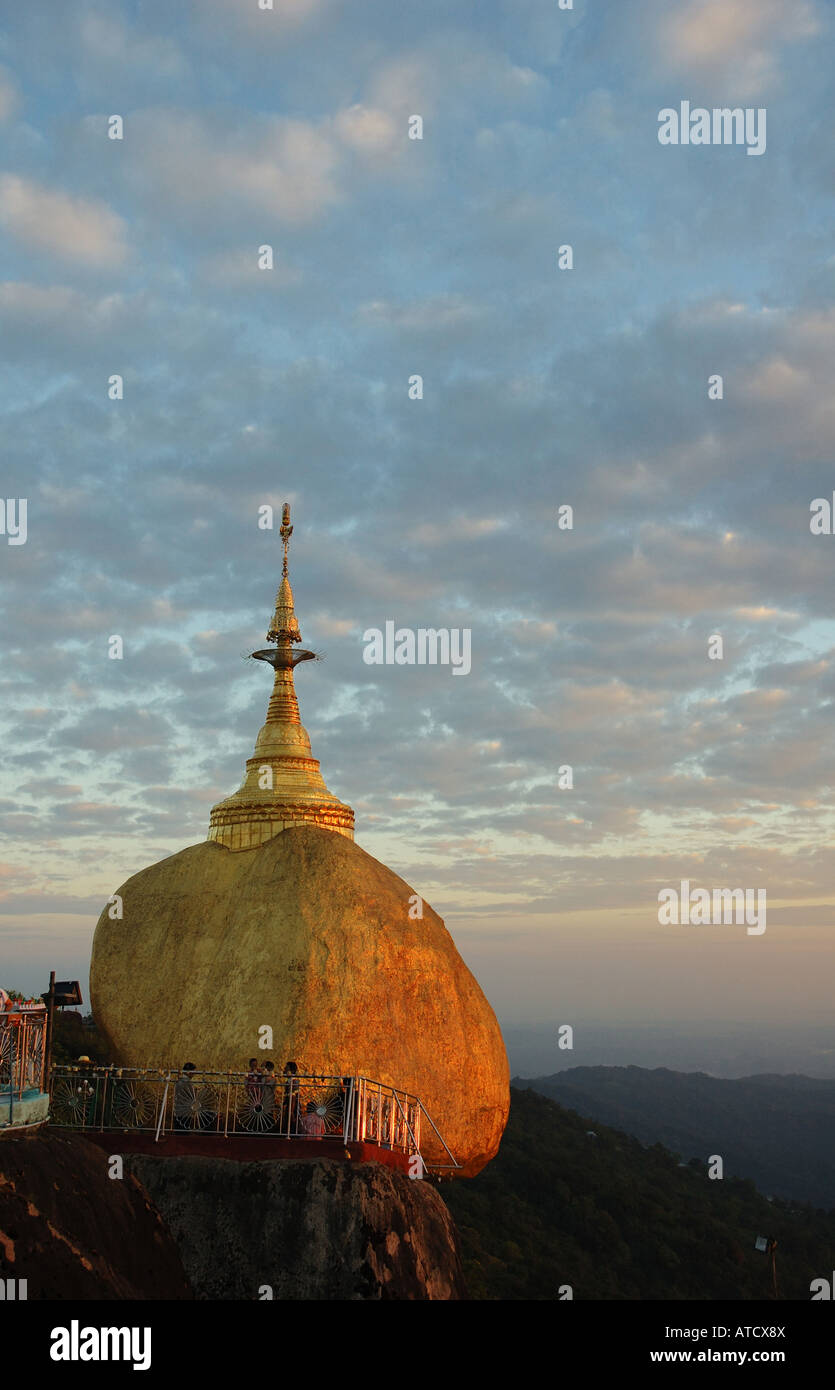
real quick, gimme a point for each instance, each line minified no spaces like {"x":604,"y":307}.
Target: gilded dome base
{"x":247,"y":826}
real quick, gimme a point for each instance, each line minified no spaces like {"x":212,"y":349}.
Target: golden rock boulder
{"x":312,"y":936}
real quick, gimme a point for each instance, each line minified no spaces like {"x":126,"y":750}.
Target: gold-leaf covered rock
{"x":311,"y":935}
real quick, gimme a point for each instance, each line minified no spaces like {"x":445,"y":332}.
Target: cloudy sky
{"x":541,"y":387}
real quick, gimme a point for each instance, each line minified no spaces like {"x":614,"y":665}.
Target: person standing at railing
{"x":86,"y":1090}
{"x":253,"y":1081}
{"x":290,"y":1100}
{"x":184,"y":1097}
{"x":312,"y":1124}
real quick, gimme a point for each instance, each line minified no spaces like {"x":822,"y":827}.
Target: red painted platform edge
{"x":242,"y":1148}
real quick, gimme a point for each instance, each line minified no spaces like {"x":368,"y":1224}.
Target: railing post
{"x":346,"y":1110}
{"x":162,"y":1109}
{"x":410,"y":1131}
{"x":11,"y":1071}
{"x":228,"y":1094}
{"x":21,"y":1055}
{"x":50,"y":1026}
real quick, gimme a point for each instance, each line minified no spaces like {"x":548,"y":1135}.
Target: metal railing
{"x":308,"y":1107}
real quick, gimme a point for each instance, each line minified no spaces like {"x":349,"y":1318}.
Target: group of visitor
{"x":261,"y":1084}
{"x":275,"y":1101}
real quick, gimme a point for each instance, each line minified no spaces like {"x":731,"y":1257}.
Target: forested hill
{"x":616,"y":1220}
{"x":777,"y":1130}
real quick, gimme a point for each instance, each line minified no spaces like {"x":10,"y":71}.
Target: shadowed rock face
{"x":319,"y":1230}
{"x":311,"y":935}
{"x":72,"y":1232}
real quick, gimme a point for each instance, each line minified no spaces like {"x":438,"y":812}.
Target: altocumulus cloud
{"x":71,"y":228}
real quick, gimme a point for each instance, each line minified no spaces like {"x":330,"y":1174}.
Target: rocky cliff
{"x":305,"y":1229}
{"x":72,"y":1232}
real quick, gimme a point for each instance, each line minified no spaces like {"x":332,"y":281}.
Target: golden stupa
{"x":280,"y":919}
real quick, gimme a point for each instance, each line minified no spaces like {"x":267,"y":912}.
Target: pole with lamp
{"x":58,"y":996}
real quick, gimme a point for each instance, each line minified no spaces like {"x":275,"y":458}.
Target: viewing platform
{"x":168,"y":1112}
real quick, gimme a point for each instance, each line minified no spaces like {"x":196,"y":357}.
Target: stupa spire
{"x":285,"y":626}
{"x":283,"y":786}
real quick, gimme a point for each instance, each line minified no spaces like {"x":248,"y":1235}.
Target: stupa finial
{"x":286,"y":532}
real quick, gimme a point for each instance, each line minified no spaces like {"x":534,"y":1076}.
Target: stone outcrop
{"x":74,"y":1233}
{"x":306,"y":1230}
{"x":312,"y":936}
